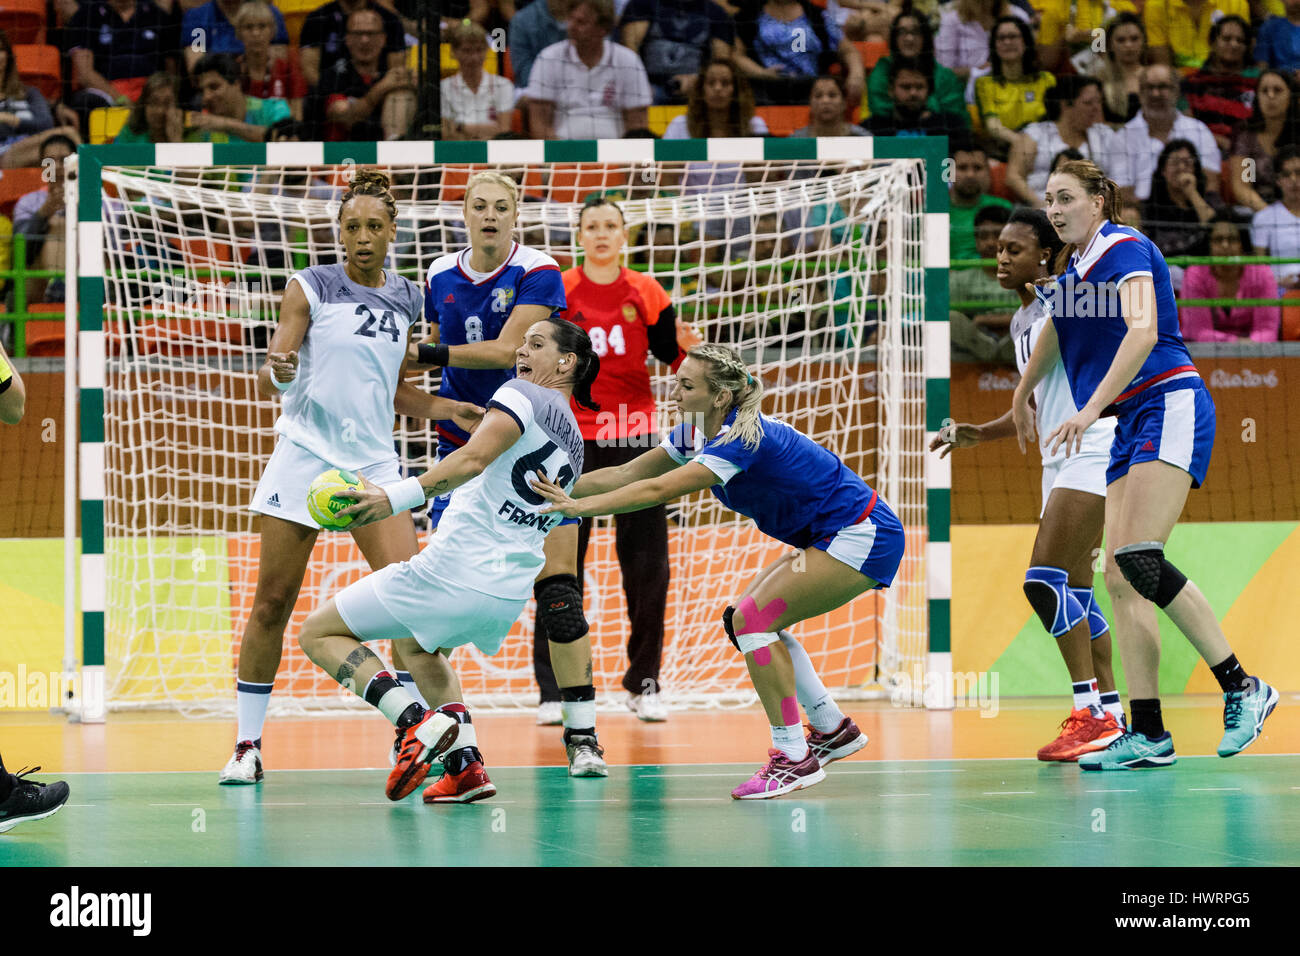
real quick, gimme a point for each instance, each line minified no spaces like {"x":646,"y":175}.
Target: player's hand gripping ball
{"x":322,"y":501}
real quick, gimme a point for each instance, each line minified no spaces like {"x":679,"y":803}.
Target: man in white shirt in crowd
{"x":475,"y":104}
{"x":587,"y":87}
{"x":1140,"y":140}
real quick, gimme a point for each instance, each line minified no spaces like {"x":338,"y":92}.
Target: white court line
{"x":712,"y":799}
{"x":838,"y":773}
{"x":1110,"y":791}
{"x":904,"y":794}
{"x":995,"y":793}
{"x":194,"y":804}
{"x":1207,"y":789}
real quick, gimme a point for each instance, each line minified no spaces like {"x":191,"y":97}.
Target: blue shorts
{"x":874,"y":546}
{"x":1173,"y":424}
{"x":439,"y":504}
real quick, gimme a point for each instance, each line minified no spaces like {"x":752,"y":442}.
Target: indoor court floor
{"x":932,"y":788}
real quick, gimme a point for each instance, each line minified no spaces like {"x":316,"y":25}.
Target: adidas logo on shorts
{"x":274,"y":500}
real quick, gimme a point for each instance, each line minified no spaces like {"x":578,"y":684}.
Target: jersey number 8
{"x":473,"y":329}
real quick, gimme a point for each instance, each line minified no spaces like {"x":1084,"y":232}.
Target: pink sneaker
{"x":781,"y":775}
{"x":843,"y":741}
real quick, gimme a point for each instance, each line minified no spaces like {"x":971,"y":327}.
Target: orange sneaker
{"x":421,"y":745}
{"x":1081,"y":733}
{"x":469,"y":785}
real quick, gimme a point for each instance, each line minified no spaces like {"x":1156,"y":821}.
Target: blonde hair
{"x":496,"y":179}
{"x":727,"y":371}
{"x":253,"y":8}
{"x":370,"y":182}
{"x":467,"y":31}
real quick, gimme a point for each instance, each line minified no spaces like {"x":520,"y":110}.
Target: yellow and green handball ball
{"x":322,"y":503}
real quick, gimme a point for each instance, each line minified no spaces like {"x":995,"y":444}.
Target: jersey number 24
{"x":386,"y":324}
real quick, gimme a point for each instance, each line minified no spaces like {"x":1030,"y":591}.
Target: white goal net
{"x":812,"y":268}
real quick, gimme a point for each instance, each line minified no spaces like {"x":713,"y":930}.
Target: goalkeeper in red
{"x":847,"y":542}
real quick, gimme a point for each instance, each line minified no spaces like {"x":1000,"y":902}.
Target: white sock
{"x":1110,"y":703}
{"x":823,"y":713}
{"x":579,"y":714}
{"x":251,"y":701}
{"x":789,"y":740}
{"x":1086,"y":696}
{"x":404,"y":677}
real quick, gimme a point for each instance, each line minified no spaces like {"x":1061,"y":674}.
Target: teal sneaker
{"x":1244,"y":713}
{"x":1132,"y":751}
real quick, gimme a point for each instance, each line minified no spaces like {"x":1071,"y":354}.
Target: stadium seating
{"x":46,"y":337}
{"x":294,"y":13}
{"x":40,"y":66}
{"x":783,"y":120}
{"x":23,"y":21}
{"x":660,"y":116}
{"x":17,"y":183}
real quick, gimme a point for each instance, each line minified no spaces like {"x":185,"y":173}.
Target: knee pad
{"x":1097,"y":624}
{"x":559,"y":609}
{"x":1145,"y":566}
{"x":1048,"y":592}
{"x":726,"y":623}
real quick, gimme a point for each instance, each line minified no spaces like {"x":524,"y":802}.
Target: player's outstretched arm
{"x":964,"y":435}
{"x":13,"y":393}
{"x":495,"y":353}
{"x":497,"y":433}
{"x":281,"y":365}
{"x":652,"y":464}
{"x":634,"y":497}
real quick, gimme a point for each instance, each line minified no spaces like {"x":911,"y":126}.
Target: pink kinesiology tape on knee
{"x":759,"y":620}
{"x":763,"y":656}
{"x":789,"y":711}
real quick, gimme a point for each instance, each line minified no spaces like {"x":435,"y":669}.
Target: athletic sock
{"x":385,"y":692}
{"x":457,"y":760}
{"x":823,"y":713}
{"x":404,"y":677}
{"x":251,"y":701}
{"x":1230,"y":675}
{"x":790,"y":741}
{"x":1111,"y":705}
{"x":1086,"y":696}
{"x":1146,"y":717}
{"x":578,"y":705}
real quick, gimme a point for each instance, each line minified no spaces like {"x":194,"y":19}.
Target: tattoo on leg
{"x":347,"y":670}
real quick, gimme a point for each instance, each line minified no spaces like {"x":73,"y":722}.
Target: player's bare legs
{"x":1142,"y":508}
{"x":800,"y":585}
{"x":332,"y":646}
{"x":388,"y":542}
{"x":284,"y":550}
{"x":569,"y":641}
{"x":1068,"y":532}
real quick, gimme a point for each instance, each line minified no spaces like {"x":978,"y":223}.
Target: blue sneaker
{"x":1132,"y":751}
{"x":1244,"y":713}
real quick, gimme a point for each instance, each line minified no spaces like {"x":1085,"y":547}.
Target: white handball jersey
{"x":1052,"y":395}
{"x":490,"y":537}
{"x":340,"y":407}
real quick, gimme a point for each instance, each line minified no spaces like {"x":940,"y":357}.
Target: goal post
{"x":823,"y":260}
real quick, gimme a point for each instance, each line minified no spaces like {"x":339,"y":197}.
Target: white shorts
{"x":397,"y":602}
{"x":1082,"y":472}
{"x":282,"y":492}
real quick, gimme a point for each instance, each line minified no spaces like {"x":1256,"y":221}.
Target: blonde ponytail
{"x":727,"y":372}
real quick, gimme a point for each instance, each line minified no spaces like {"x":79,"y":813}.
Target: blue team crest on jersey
{"x":501,"y":299}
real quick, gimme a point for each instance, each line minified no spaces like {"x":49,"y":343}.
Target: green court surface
{"x":1205,"y":811}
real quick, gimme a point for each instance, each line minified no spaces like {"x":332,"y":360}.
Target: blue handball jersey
{"x":795,"y":490}
{"x":472,"y":306}
{"x":1086,"y":308}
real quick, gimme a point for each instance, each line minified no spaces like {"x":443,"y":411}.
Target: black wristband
{"x":433,"y":354}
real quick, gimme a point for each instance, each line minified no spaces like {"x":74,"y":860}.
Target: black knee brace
{"x":559,"y":608}
{"x":726,"y":622}
{"x":1145,"y":566}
